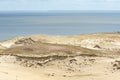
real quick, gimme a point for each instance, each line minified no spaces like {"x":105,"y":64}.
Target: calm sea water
{"x":18,"y":24}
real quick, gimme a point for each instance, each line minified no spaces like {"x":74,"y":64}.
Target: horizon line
{"x":62,"y":11}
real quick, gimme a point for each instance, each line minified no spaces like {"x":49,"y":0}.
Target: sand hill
{"x":46,"y":57}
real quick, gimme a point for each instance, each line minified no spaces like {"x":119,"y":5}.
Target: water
{"x":18,"y":24}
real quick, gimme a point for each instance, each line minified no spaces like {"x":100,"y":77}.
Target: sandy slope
{"x":78,"y":57}
{"x":106,"y":41}
{"x":101,"y":68}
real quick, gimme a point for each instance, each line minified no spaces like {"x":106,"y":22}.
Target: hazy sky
{"x":38,"y":5}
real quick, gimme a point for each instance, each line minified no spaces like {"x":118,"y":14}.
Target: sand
{"x":78,"y":57}
{"x":101,"y":68}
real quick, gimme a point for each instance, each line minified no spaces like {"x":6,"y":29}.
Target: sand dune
{"x":78,"y":57}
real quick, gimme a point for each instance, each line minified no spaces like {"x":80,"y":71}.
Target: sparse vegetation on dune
{"x":44,"y":49}
{"x":84,"y":57}
{"x":38,"y":45}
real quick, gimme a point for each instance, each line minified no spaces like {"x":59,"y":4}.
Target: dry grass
{"x":44,"y":49}
{"x":62,"y":48}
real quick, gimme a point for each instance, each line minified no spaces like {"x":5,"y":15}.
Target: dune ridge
{"x":46,"y":57}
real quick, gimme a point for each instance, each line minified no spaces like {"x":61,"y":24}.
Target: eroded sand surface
{"x":75,"y":68}
{"x":43,"y":57}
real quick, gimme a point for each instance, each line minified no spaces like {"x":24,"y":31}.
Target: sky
{"x":46,"y":5}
